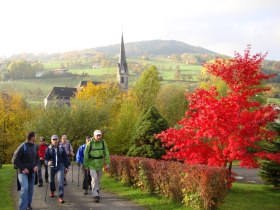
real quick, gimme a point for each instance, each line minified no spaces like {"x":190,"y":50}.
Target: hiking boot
{"x":85,"y":193}
{"x":60,"y":200}
{"x":52,"y":194}
{"x":29,"y":207}
{"x":96,"y":199}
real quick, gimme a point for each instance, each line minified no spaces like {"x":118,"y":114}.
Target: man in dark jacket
{"x":57,"y":159}
{"x":26,"y":161}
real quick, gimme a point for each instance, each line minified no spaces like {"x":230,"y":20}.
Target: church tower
{"x":122,"y":74}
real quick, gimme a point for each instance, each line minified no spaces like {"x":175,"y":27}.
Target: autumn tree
{"x":172,"y":103}
{"x":147,"y":87}
{"x":220,"y":129}
{"x":14,"y":113}
{"x":121,"y":126}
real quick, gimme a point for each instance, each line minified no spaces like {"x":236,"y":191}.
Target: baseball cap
{"x":54,"y":137}
{"x":97,"y":132}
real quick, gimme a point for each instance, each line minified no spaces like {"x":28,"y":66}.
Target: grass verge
{"x":141,"y":198}
{"x":240,"y":197}
{"x":7,"y":175}
{"x":251,"y":196}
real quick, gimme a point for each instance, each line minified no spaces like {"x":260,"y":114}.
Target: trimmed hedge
{"x":198,"y":186}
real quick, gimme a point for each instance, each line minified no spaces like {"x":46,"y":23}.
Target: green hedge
{"x":197,"y":186}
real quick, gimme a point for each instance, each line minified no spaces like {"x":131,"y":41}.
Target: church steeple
{"x":122,"y":75}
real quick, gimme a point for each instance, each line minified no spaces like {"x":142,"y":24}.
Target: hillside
{"x":152,"y":48}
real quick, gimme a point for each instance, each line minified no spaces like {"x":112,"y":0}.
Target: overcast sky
{"x":223,"y":26}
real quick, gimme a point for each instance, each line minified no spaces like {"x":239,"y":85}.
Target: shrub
{"x":198,"y":186}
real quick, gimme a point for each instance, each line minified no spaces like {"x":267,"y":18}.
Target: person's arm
{"x":65,"y":159}
{"x":78,"y":156}
{"x":107,"y":155}
{"x":86,"y":155}
{"x":71,"y":151}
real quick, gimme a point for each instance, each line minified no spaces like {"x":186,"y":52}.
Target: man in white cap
{"x":96,"y":157}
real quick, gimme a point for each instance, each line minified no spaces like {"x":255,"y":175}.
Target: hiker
{"x":58,"y":161}
{"x":96,"y":157}
{"x":69,"y":151}
{"x":26,"y":161}
{"x":80,"y":162}
{"x":41,"y":152}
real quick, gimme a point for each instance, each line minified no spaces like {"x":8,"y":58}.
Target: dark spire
{"x":122,"y":59}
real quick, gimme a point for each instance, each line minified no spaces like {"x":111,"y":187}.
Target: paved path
{"x":75,"y":199}
{"x":246,"y":175}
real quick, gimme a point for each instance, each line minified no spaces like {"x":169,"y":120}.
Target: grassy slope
{"x":251,"y":196}
{"x":7,"y":174}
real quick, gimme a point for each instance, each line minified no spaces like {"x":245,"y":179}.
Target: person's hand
{"x":50,"y":163}
{"x":65,"y":170}
{"x":35,"y":169}
{"x":25,"y":171}
{"x":106,"y":168}
{"x":41,"y":158}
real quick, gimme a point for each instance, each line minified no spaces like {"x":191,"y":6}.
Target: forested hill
{"x":153,"y":48}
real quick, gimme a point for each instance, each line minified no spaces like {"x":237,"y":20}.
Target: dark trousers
{"x":40,"y":178}
{"x":87,"y":178}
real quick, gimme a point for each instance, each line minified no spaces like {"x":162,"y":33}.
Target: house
{"x":60,"y":96}
{"x":39,"y":74}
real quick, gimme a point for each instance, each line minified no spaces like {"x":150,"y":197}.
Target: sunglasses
{"x":54,"y":139}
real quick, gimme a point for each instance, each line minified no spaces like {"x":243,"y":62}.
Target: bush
{"x":198,"y":186}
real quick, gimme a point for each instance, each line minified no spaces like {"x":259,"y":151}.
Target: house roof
{"x":83,"y":83}
{"x":62,"y":93}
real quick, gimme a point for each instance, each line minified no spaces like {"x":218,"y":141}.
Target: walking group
{"x":29,"y":159}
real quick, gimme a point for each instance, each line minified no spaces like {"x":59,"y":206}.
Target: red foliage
{"x":198,"y":186}
{"x":217,"y":130}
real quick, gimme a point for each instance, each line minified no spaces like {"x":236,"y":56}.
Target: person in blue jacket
{"x":57,"y":159}
{"x":80,"y":162}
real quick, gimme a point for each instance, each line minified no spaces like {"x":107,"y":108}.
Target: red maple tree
{"x":218,"y":130}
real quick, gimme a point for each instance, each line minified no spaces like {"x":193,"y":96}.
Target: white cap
{"x":54,"y":137}
{"x":97,"y":132}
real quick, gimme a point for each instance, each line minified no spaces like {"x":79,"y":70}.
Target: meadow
{"x":35,"y":90}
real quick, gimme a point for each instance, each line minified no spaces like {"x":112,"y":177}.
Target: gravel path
{"x":75,"y":199}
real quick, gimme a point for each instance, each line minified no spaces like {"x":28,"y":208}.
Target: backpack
{"x":90,"y":149}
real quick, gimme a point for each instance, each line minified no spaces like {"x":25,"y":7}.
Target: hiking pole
{"x":72,"y":170}
{"x":79,"y":176}
{"x":48,"y":168}
{"x":46,"y":192}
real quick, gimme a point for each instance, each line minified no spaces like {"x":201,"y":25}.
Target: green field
{"x":35,"y":90}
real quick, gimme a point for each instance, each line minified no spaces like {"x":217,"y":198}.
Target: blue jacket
{"x":80,"y":154}
{"x":58,"y":157}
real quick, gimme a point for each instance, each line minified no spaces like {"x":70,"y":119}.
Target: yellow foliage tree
{"x":14,"y":113}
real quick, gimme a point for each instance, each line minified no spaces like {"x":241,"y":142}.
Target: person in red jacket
{"x":41,"y":152}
